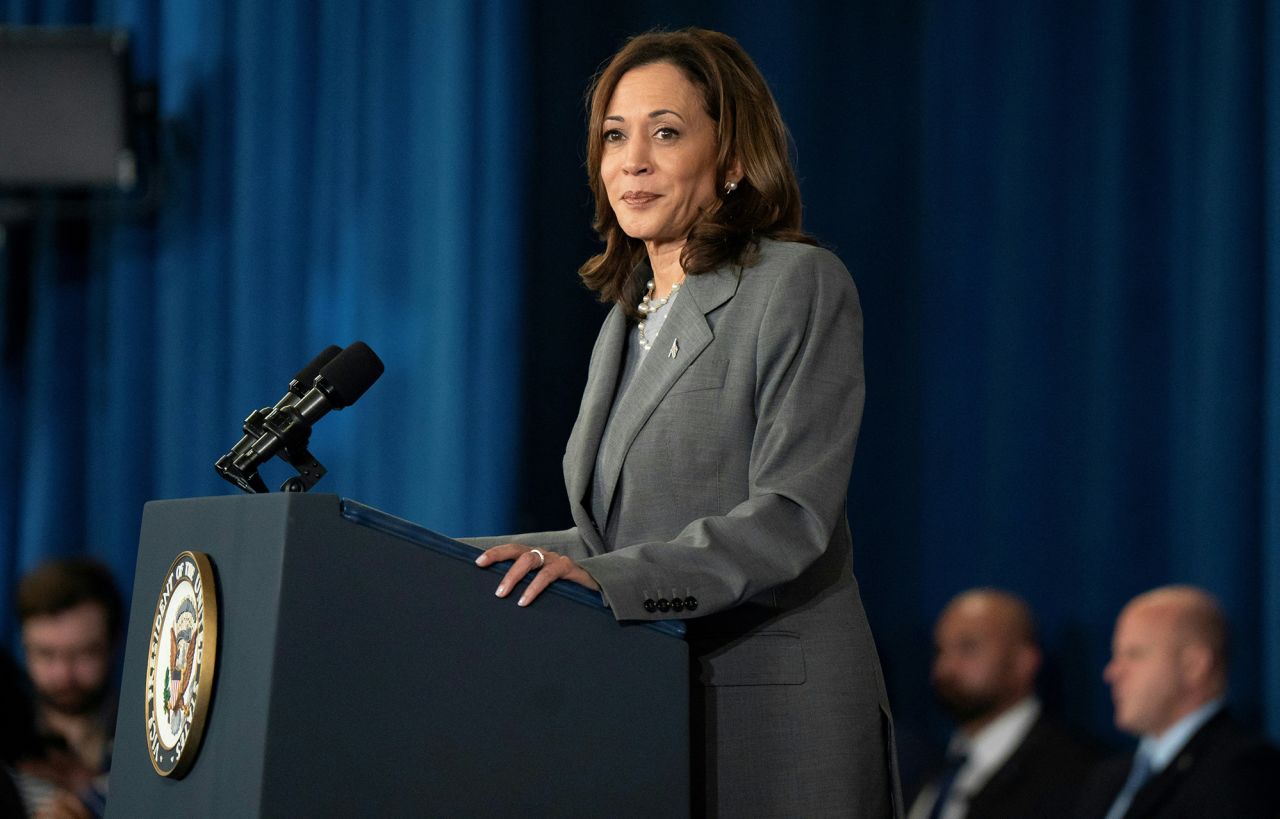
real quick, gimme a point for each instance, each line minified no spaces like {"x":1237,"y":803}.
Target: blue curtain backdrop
{"x":332,"y":171}
{"x":1064,"y":220}
{"x":1098,"y":329}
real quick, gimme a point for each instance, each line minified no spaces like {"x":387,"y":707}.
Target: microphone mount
{"x":333,"y":380}
{"x":287,"y":425}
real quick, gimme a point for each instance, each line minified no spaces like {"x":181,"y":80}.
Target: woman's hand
{"x":548,"y":565}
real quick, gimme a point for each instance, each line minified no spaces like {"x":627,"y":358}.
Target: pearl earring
{"x":730,"y":187}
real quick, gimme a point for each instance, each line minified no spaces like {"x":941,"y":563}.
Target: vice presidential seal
{"x":180,"y":663}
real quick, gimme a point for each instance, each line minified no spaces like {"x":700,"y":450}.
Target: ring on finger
{"x":542,"y":559}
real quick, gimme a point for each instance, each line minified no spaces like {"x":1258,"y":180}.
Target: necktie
{"x":1138,"y":776}
{"x":946,"y":780}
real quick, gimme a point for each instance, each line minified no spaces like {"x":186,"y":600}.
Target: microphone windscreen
{"x":350,"y":373}
{"x":307,"y":375}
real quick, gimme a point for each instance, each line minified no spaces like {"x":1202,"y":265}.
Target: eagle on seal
{"x":182,"y":652}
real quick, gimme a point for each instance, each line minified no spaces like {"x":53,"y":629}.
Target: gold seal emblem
{"x":180,"y":663}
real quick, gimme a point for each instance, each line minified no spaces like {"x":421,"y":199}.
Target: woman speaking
{"x":708,"y":466}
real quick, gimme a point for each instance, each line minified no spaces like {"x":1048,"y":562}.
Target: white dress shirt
{"x":985,"y":752}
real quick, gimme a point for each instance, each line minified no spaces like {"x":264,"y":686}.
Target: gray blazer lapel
{"x":683,"y":337}
{"x":597,"y":397}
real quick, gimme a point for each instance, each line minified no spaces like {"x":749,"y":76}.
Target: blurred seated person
{"x":1006,"y":757}
{"x":35,"y":780}
{"x":1168,"y":678}
{"x":70,"y":614}
{"x":18,"y":739}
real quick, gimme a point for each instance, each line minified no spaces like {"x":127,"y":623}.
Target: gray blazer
{"x":725,"y":474}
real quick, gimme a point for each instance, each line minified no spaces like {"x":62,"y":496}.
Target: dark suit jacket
{"x":1040,"y":780}
{"x":725,"y":472}
{"x":1224,"y":771}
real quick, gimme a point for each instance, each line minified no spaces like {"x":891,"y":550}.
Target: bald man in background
{"x":1168,"y":678}
{"x":1006,"y":758}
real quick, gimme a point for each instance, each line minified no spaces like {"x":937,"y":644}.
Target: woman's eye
{"x":666,"y":133}
{"x":613,"y":135}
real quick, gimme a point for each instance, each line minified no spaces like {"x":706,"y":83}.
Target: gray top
{"x":724,"y":472}
{"x":633,"y":357}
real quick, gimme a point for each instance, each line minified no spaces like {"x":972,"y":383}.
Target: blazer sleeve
{"x":566,"y":542}
{"x":809,"y":392}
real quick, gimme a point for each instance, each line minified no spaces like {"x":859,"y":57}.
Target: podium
{"x":363,"y":667}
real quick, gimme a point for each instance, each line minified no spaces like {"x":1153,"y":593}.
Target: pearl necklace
{"x":649,"y":305}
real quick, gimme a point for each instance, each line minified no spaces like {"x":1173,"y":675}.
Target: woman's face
{"x":659,"y":158}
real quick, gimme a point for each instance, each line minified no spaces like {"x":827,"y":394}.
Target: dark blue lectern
{"x":365,"y":668}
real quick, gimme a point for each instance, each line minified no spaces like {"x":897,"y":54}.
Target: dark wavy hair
{"x":749,"y":130}
{"x":60,"y":585}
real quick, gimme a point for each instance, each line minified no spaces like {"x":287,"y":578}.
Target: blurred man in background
{"x":1006,"y":757}
{"x":70,"y":613}
{"x":1168,"y":678}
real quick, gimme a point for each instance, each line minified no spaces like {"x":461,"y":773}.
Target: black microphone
{"x":307,"y":375}
{"x":253,"y":425}
{"x":286,"y":430}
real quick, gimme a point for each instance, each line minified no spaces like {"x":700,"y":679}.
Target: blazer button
{"x":664,"y":604}
{"x":677,"y":604}
{"x":650,"y":606}
{"x":691,"y":603}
